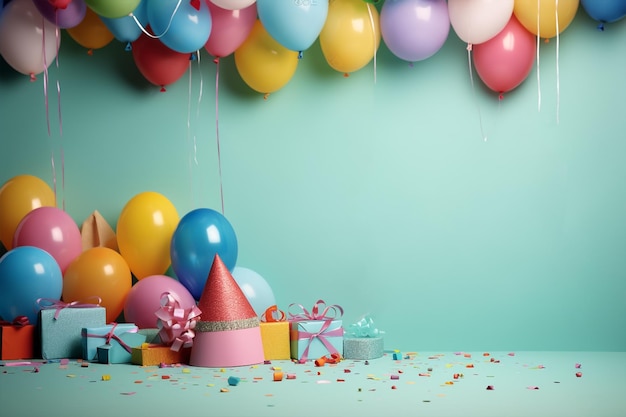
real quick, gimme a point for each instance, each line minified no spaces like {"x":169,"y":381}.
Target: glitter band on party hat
{"x":228,"y":332}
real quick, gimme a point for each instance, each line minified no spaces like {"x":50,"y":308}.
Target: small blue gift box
{"x":312,"y":339}
{"x":115,"y":340}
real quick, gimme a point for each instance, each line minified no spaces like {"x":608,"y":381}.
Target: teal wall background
{"x":376,"y":191}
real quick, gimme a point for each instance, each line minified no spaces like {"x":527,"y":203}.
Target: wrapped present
{"x":115,"y":339}
{"x":275,"y":335}
{"x":316,"y":333}
{"x":17,"y":339}
{"x":176,"y":324}
{"x":150,"y":354}
{"x":152,"y":335}
{"x":362,"y":340}
{"x":60,"y":326}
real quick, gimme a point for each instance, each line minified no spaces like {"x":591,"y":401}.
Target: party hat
{"x":228,"y":332}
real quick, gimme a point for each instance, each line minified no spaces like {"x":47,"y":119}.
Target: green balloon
{"x":113,"y":9}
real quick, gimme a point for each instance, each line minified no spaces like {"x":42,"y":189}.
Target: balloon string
{"x":169,"y":24}
{"x":480,"y":117}
{"x":45,"y":95}
{"x":195,"y":140}
{"x":369,"y":11}
{"x":192,"y":156}
{"x":558,"y":86}
{"x":538,"y":57}
{"x":56,"y":60}
{"x":217,"y":129}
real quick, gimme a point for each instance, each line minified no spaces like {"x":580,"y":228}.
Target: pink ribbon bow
{"x":176,"y":323}
{"x":60,"y":305}
{"x":331,"y":312}
{"x":111,"y":335}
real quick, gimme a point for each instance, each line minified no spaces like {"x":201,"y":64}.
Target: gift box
{"x":316,"y":333}
{"x":152,"y":335}
{"x":362,"y":340}
{"x":116,"y":341}
{"x":60,"y":328}
{"x":149,"y":354}
{"x":275,"y":335}
{"x":17,"y":339}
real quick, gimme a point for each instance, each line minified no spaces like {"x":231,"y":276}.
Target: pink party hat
{"x":228,"y":332}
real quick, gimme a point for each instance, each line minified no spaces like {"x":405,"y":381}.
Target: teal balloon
{"x":256,"y":289}
{"x":126,"y":29}
{"x":27,"y":273}
{"x":200,"y":235}
{"x":295,"y":24}
{"x":182,"y":26}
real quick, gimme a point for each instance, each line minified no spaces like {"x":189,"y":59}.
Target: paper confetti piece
{"x":105,"y":377}
{"x":129,"y":393}
{"x":579,"y":374}
{"x":577,"y":366}
{"x":233,"y":381}
{"x":533,"y":387}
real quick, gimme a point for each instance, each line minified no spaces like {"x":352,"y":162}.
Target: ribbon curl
{"x":60,"y":305}
{"x":331,"y":312}
{"x":176,"y":324}
{"x":269,"y":317}
{"x":364,"y":328}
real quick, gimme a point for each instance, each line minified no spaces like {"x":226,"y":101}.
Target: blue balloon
{"x":27,"y":273}
{"x":605,"y":11}
{"x":256,"y":289}
{"x":182,"y":26}
{"x":295,"y":24}
{"x":200,"y":235}
{"x":126,"y":29}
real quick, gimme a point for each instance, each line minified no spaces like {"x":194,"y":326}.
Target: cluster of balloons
{"x":45,"y":256}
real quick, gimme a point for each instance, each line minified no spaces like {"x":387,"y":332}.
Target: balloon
{"x":144,"y":233}
{"x":200,"y":235}
{"x":477,"y":21}
{"x":230,"y":28}
{"x":112,"y":8}
{"x":157,"y":63}
{"x":504,"y":61}
{"x":605,"y":11}
{"x":233,"y":4}
{"x":91,"y":33}
{"x":351,"y":35}
{"x":27,"y":274}
{"x":181,"y":26}
{"x":23,"y":35}
{"x":64,"y":17}
{"x":126,"y":29}
{"x":255,"y":287}
{"x":294,"y":24}
{"x":53,"y":230}
{"x":414,"y":30}
{"x":99,"y":272}
{"x":144,"y":299}
{"x":18,"y":196}
{"x":528,"y":12}
{"x":264,"y":64}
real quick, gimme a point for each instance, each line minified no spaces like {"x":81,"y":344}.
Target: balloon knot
{"x":546,"y":40}
{"x":90,"y":52}
{"x":601,"y":27}
{"x":300,"y":55}
{"x":192,"y":56}
{"x":33,"y":78}
{"x":346,"y":75}
{"x":163,"y":90}
{"x":195,"y":4}
{"x":469,"y":47}
{"x":216,"y":60}
{"x":129,"y":47}
{"x":501,"y":96}
{"x":266,"y":96}
{"x":411,"y":65}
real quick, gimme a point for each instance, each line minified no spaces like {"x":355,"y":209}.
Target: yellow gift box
{"x":275,"y":335}
{"x":150,"y":354}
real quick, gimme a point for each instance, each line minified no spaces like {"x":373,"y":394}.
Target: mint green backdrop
{"x":377,"y":191}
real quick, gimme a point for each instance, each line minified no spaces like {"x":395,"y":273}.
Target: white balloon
{"x":477,"y":21}
{"x":28,"y":41}
{"x":233,"y":4}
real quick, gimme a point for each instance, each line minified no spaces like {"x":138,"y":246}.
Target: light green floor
{"x":524,"y":384}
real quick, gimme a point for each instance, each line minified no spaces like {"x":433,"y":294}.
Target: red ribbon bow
{"x":175,"y":323}
{"x":19,"y":321}
{"x":268,"y":316}
{"x":60,"y":305}
{"x":315,"y":313}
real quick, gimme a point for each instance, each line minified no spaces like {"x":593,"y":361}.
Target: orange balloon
{"x":91,"y":33}
{"x":539,"y":17}
{"x":18,"y":197}
{"x":99,"y":272}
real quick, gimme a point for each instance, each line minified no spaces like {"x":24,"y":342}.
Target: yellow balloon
{"x":539,"y":17}
{"x":351,"y":35}
{"x":91,"y":32}
{"x":18,"y":197}
{"x":263,"y":63}
{"x":98,"y":272}
{"x":144,"y":232}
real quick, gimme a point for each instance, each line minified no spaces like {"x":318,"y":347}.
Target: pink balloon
{"x":23,"y":34}
{"x":505,"y":61}
{"x":53,"y":230}
{"x":230,"y":28}
{"x":144,"y":299}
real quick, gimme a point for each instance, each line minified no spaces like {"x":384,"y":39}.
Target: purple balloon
{"x":66,"y":18}
{"x":414,"y":30}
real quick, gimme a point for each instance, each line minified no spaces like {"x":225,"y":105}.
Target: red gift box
{"x":17,"y":339}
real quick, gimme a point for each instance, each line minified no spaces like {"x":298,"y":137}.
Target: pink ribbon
{"x":176,"y":323}
{"x":112,"y":335}
{"x":60,"y":305}
{"x":331,"y":312}
{"x":321,"y":336}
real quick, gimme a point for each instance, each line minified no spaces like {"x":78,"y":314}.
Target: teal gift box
{"x":312,"y":339}
{"x":119,"y":337}
{"x":60,"y":330}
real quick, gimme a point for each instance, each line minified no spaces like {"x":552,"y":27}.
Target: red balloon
{"x":157,"y":63}
{"x":504,"y":61}
{"x":230,"y":29}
